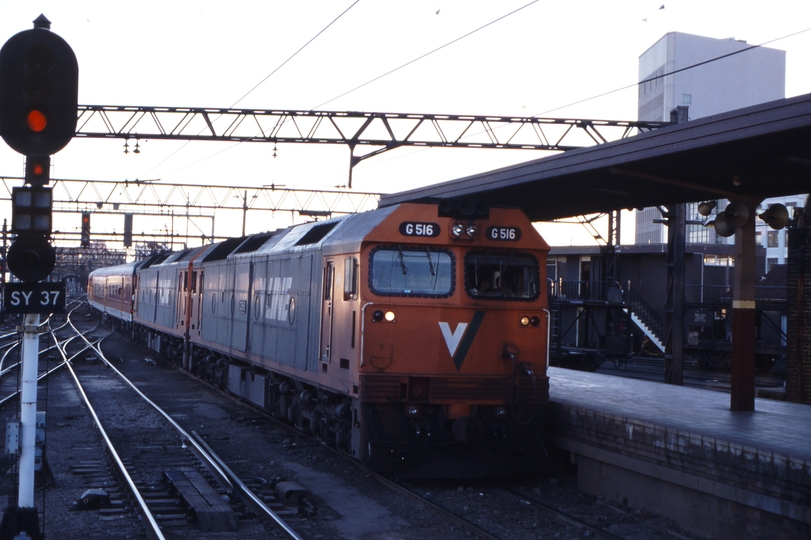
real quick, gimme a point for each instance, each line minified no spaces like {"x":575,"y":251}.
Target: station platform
{"x":682,"y":453}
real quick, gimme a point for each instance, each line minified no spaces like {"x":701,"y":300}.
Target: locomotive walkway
{"x":680,"y":452}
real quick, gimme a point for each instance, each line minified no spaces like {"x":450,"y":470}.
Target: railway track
{"x":494,"y":510}
{"x":349,"y":505}
{"x":153,"y":467}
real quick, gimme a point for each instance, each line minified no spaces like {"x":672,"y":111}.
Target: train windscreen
{"x":408,"y":271}
{"x":506,"y":275}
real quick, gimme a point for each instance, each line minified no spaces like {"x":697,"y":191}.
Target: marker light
{"x":390,"y":316}
{"x":457,"y":230}
{"x":524,"y":321}
{"x":36,"y":120}
{"x":535,"y":320}
{"x":472,"y":231}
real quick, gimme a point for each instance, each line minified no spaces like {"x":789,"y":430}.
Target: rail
{"x":149,"y":519}
{"x":212,"y":462}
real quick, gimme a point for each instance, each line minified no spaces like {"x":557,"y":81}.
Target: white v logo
{"x":452,"y":339}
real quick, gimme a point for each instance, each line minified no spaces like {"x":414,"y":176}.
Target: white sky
{"x":210,"y":54}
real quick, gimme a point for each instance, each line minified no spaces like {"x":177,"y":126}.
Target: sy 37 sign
{"x":42,"y":298}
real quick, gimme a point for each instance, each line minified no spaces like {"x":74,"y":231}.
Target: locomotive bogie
{"x":394,"y":335}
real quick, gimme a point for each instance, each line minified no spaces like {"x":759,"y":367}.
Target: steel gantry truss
{"x":154,"y":198}
{"x":72,"y":195}
{"x":385,"y":131}
{"x":379,"y":132}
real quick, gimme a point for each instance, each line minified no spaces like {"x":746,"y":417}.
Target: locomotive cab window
{"x":411,"y":271}
{"x":507,"y":275}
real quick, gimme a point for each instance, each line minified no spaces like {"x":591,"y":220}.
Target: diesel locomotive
{"x":413,"y":338}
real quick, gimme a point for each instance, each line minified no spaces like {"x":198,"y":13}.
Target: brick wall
{"x":798,"y":346}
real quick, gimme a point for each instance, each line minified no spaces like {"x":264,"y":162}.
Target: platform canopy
{"x":756,"y":152}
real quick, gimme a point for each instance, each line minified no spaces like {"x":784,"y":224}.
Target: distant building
{"x":740,"y":78}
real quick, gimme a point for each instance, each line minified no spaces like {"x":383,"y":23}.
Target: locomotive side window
{"x":329,"y":278}
{"x":504,"y":275}
{"x":350,"y":278}
{"x":411,"y":271}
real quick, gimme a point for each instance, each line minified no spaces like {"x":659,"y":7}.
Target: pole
{"x":674,"y":348}
{"x":744,"y":315}
{"x":28,"y":412}
{"x":22,"y":521}
{"x":244,"y":210}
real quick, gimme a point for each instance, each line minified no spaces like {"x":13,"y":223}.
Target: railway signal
{"x":39,"y":87}
{"x":85,"y":229}
{"x":31,"y":257}
{"x":39,"y":81}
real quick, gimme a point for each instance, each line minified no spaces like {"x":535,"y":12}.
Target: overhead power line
{"x":261,"y":82}
{"x":427,"y":54}
{"x":669,"y":73}
{"x":269,"y":75}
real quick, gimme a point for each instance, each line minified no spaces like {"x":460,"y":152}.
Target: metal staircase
{"x":645,"y":318}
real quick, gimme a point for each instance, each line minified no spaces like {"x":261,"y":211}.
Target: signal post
{"x":39,"y":78}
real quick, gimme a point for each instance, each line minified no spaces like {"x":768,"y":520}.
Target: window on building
{"x":718,"y":260}
{"x":698,"y":234}
{"x":773,"y":239}
{"x":686,"y":99}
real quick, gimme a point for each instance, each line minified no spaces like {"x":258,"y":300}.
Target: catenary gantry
{"x":755,"y":153}
{"x":380,"y":131}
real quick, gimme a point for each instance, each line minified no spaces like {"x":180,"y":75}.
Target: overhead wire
{"x":663,"y":75}
{"x":626,"y":87}
{"x":269,"y":75}
{"x":369,"y":81}
{"x":427,"y":54}
{"x":295,"y":53}
{"x":597,"y":96}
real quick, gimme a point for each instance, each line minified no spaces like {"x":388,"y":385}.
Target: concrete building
{"x":708,"y":76}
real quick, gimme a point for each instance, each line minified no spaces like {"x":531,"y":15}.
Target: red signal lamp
{"x":37,"y":170}
{"x":36,"y":120}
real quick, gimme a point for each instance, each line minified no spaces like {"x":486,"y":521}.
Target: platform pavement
{"x":681,"y":452}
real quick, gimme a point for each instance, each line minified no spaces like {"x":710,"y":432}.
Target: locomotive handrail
{"x":363,"y":327}
{"x":548,"y":335}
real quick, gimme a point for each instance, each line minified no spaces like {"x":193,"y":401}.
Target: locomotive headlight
{"x":379,"y":315}
{"x":500,"y":412}
{"x":524,"y":321}
{"x":457,"y":229}
{"x":472,"y":231}
{"x":413,"y":410}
